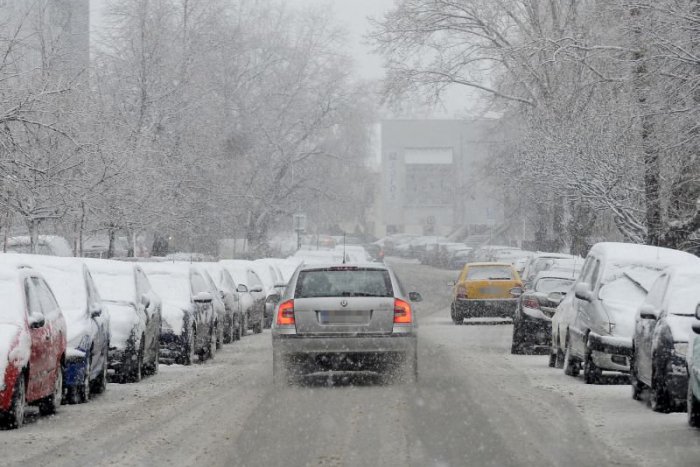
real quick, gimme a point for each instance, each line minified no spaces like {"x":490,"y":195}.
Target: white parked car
{"x":593,"y":326}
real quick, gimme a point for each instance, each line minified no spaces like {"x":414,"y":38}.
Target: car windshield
{"x":684,"y":295}
{"x":115,"y":286}
{"x":170,"y":287}
{"x":551,"y":284}
{"x":343,"y":283}
{"x":480,"y":273}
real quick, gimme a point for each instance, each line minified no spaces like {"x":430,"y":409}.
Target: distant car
{"x":532,"y":322}
{"x":135,"y":317}
{"x":457,"y":259}
{"x":543,"y":261}
{"x":693,"y":362}
{"x":49,"y":245}
{"x":250,"y":284}
{"x":318,"y":256}
{"x":187,"y":330}
{"x":375,"y":251}
{"x":273,"y":284}
{"x":344,"y":318}
{"x":87,"y":322}
{"x":485,"y":290}
{"x":593,"y":326}
{"x":33,"y":345}
{"x":233,"y":321}
{"x":661,"y":335}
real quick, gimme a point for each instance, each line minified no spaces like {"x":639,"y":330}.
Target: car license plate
{"x":342,"y":316}
{"x":491,"y":290}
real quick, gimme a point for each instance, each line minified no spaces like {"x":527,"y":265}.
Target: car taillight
{"x":461,"y":292}
{"x":285,"y":313}
{"x":402,"y":312}
{"x":531,"y":303}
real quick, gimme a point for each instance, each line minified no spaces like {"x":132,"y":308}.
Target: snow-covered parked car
{"x":234,"y":322}
{"x":187,"y":328}
{"x":32,"y":345}
{"x":593,"y":326}
{"x":693,"y":362}
{"x":87,"y":321}
{"x":249,"y":285}
{"x":273,"y":285}
{"x":662,"y":331}
{"x":135,"y":316}
{"x":222,"y":314}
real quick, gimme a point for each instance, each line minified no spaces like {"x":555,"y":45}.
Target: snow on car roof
{"x":632,"y":253}
{"x":64,"y":276}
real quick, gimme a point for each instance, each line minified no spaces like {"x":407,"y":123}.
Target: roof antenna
{"x":344,"y":257}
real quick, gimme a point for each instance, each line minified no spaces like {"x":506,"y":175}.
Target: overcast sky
{"x":350,"y":13}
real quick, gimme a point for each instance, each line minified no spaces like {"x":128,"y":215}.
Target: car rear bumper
{"x":610,"y":352}
{"x":172,"y":347}
{"x":497,"y":308}
{"x":296,"y":344}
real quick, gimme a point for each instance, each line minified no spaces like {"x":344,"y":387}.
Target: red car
{"x":32,"y":345}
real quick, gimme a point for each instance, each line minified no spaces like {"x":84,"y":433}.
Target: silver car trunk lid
{"x":344,"y":315}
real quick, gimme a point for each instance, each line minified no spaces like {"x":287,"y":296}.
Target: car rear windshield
{"x":552,"y":284}
{"x":344,"y":282}
{"x":483,"y":273}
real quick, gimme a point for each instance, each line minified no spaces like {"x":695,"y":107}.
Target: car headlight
{"x":681,"y":348}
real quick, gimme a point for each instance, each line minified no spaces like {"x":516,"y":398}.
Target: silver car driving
{"x":344,"y":318}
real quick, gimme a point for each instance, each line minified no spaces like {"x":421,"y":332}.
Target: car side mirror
{"x":555,"y":297}
{"x":203,"y":297}
{"x":648,"y":312}
{"x":516,"y":292}
{"x":95,"y":311}
{"x":36,"y":321}
{"x":583,"y":292}
{"x":415,"y":297}
{"x":242,"y":289}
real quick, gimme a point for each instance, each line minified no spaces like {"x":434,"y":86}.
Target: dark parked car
{"x":243,"y":272}
{"x":660,"y":344}
{"x":187,"y":330}
{"x":532,"y":322}
{"x":135,"y":316}
{"x":233,"y":324}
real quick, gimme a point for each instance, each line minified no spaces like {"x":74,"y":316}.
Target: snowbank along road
{"x":475,"y":404}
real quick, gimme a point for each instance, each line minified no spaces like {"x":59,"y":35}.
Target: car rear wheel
{"x":591,"y":373}
{"x":137,"y":372}
{"x":457,"y":318}
{"x":243,"y":326}
{"x":229,"y":331}
{"x":219,"y":342}
{"x":693,"y":407}
{"x":81,"y":393}
{"x":571,"y":366}
{"x":189,"y":354}
{"x":258,"y":328}
{"x":637,"y":386}
{"x":51,"y":404}
{"x":280,"y":372}
{"x":517,"y":347}
{"x":658,"y":396}
{"x":14,"y":418}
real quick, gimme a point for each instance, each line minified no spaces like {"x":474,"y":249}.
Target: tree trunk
{"x":33,"y":225}
{"x":652,"y":166}
{"x":110,"y":248}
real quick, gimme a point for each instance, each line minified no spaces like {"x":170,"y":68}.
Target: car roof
{"x":639,"y":254}
{"x":313,"y":267}
{"x":488,"y":264}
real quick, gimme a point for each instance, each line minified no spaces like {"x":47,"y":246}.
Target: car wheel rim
{"x":58,"y":388}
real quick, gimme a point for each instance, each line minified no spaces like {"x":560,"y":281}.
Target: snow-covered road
{"x":475,"y":404}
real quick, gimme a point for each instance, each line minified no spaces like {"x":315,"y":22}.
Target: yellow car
{"x":485,"y":290}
